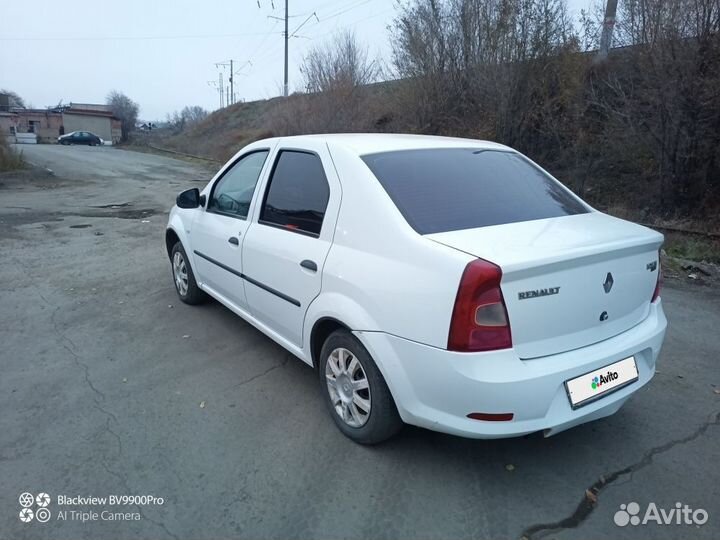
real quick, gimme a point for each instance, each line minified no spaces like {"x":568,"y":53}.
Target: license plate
{"x":600,"y":382}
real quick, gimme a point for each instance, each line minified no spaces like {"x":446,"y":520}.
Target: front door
{"x":285,"y":250}
{"x":219,"y":229}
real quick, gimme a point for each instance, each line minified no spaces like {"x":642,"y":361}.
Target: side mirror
{"x":189,"y":198}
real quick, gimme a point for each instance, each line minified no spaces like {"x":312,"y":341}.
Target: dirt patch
{"x":33,"y":177}
{"x":691,"y":272}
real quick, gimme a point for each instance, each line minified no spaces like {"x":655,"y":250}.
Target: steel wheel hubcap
{"x":348,"y":387}
{"x":180,"y":273}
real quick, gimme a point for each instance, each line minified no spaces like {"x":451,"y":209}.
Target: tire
{"x":187,"y":288}
{"x":363,"y":426}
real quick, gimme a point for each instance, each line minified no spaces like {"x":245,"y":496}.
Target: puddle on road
{"x":30,"y":217}
{"x":112,"y":206}
{"x":120,"y":213}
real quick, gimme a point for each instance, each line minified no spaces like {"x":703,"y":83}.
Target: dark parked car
{"x":80,"y":137}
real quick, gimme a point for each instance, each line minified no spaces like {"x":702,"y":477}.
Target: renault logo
{"x":608,"y":282}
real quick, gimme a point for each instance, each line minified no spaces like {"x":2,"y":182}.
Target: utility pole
{"x":607,"y":31}
{"x":232,"y":91}
{"x":222,"y":88}
{"x":287,"y":36}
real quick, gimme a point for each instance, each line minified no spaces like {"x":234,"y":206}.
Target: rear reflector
{"x":491,"y":417}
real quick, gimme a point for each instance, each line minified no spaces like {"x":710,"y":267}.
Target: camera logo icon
{"x":26,"y":500}
{"x":42,"y":515}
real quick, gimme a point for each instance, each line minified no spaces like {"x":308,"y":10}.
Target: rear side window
{"x":449,"y":189}
{"x":298,"y":193}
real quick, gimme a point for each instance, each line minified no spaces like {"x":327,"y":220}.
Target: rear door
{"x":219,"y":229}
{"x":285,"y":250}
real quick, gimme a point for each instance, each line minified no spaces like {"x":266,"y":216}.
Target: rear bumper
{"x":436,"y":389}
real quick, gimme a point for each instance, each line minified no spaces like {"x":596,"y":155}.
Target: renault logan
{"x":451,"y":284}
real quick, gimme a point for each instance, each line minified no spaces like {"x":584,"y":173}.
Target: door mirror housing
{"x":189,"y":198}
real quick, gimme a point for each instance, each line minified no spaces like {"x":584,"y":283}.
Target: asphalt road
{"x":111,"y":386}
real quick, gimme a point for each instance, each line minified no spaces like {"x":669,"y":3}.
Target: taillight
{"x":658,"y":284}
{"x":479,"y":320}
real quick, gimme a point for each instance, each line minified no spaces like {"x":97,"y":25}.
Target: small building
{"x":44,"y":123}
{"x":99,"y":121}
{"x":49,"y":124}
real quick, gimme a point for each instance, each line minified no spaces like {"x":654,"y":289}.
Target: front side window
{"x":298,"y":193}
{"x":449,"y":189}
{"x":233,"y":192}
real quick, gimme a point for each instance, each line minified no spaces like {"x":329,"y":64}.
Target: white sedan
{"x":451,"y":284}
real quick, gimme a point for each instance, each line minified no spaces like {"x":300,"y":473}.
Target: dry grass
{"x":693,"y":247}
{"x":224,"y":132}
{"x":9,"y":159}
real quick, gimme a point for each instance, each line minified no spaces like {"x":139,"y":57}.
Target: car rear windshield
{"x":449,"y":189}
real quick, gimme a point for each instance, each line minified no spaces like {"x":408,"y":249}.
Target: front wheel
{"x":185,"y":284}
{"x":359,"y":400}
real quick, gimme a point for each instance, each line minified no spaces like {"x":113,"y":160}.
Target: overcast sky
{"x":162,"y":53}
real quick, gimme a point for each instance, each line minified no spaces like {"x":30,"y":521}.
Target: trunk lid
{"x":569,"y":281}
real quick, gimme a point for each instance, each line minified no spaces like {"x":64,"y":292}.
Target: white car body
{"x":395,"y":290}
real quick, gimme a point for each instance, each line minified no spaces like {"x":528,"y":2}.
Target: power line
{"x":313,"y":14}
{"x":134,"y":38}
{"x":270,"y":52}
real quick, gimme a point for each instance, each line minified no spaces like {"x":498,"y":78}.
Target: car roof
{"x":372,"y":143}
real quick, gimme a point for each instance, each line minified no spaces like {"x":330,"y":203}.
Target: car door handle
{"x":234,"y":241}
{"x":310,"y":265}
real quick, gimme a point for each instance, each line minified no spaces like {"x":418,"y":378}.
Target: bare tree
{"x":125,"y":109}
{"x":189,"y":116}
{"x":660,"y":98}
{"x":193,"y":114}
{"x":496,"y":68}
{"x":336,"y":76}
{"x":342,"y":64}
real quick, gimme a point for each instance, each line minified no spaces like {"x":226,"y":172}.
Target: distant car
{"x":447,"y":283}
{"x":80,"y":137}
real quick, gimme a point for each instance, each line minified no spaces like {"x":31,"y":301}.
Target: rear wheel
{"x":185,"y":284}
{"x":357,"y":396}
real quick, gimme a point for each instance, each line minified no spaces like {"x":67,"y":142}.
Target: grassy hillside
{"x":224,"y":131}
